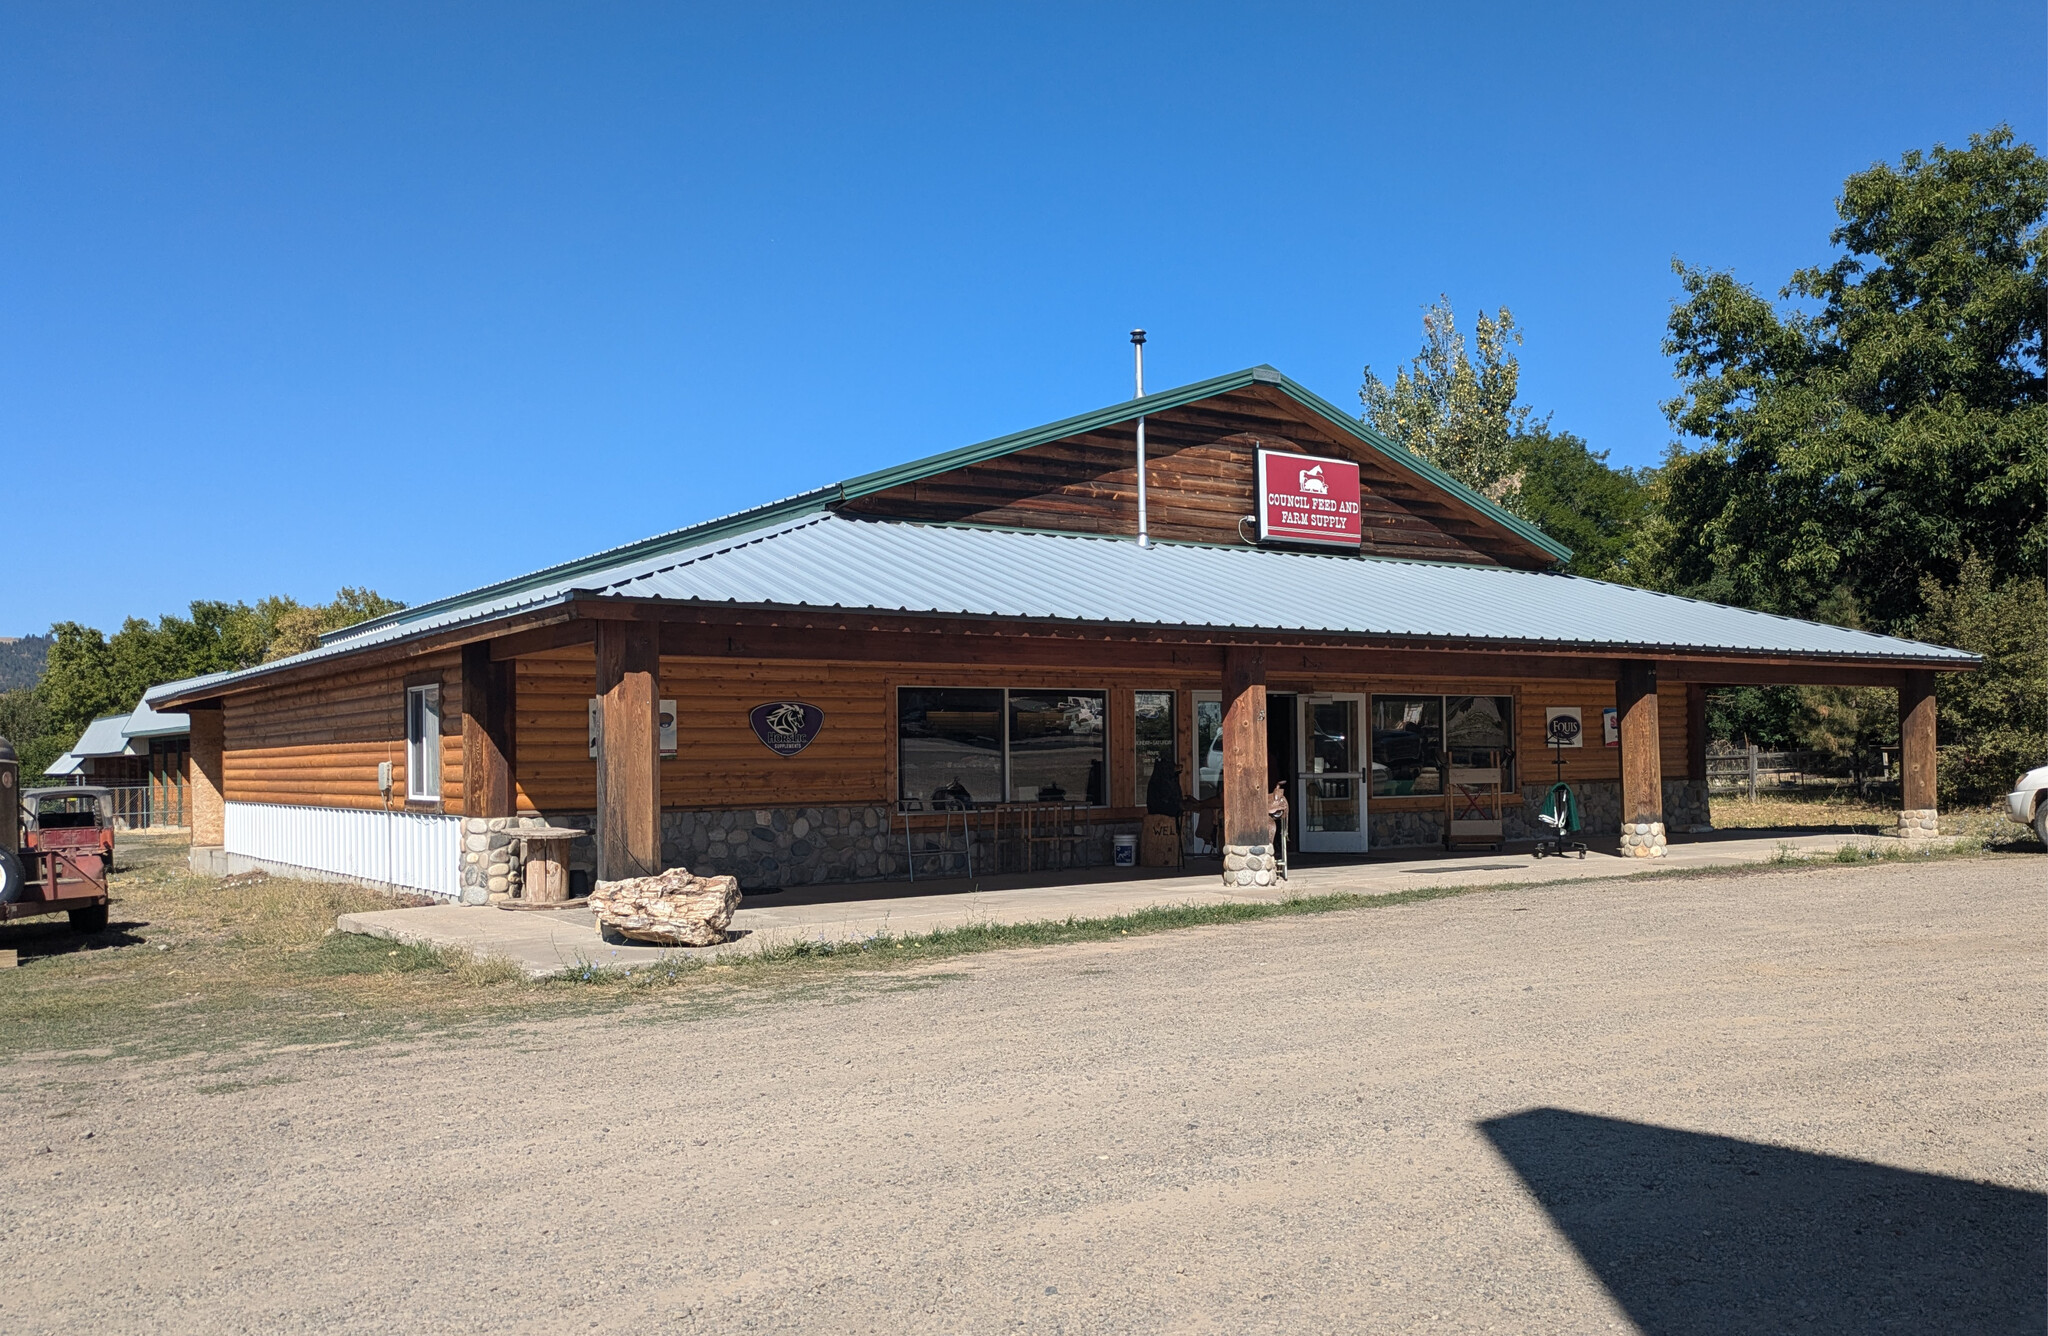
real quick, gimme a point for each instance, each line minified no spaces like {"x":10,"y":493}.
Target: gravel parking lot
{"x":1789,"y":1099}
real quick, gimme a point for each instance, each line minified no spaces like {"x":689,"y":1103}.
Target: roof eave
{"x":710,"y":531}
{"x":1958,"y":661}
{"x":174,"y":695}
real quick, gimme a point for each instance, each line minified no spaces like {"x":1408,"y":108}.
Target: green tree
{"x":1575,"y":496}
{"x":1993,"y":722}
{"x":79,"y":679}
{"x":89,"y":674}
{"x":1456,"y":412}
{"x":1870,"y":443}
{"x":25,"y":723}
{"x":296,"y":629}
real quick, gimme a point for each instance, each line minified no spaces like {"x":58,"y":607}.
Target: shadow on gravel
{"x":1693,"y":1233}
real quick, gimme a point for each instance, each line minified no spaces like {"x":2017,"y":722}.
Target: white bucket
{"x":1125,"y":849}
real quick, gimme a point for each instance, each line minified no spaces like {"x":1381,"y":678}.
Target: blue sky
{"x":421,"y":296}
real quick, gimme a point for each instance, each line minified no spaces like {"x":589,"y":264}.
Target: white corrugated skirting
{"x":420,"y":851}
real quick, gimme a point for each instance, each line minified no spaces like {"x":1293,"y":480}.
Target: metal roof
{"x":818,"y":499}
{"x":831,"y":561}
{"x":103,"y":737}
{"x":147,"y":723}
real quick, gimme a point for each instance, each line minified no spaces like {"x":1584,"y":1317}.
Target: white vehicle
{"x":2028,"y":802}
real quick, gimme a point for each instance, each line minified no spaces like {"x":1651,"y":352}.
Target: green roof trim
{"x":821,"y":498}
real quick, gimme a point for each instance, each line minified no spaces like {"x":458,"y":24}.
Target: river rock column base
{"x":1918,"y":823}
{"x":1250,"y":865}
{"x":1642,"y":838}
{"x":669,"y":909}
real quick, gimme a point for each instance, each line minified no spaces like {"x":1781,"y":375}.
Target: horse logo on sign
{"x":786,"y":727}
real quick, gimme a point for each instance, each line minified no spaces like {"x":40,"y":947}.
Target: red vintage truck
{"x":56,"y":849}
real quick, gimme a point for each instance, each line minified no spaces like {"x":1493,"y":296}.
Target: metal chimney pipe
{"x":1138,"y":351}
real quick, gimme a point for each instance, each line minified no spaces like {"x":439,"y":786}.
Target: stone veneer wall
{"x":765,"y":848}
{"x":775,"y":847}
{"x":490,"y":851}
{"x":785,"y":846}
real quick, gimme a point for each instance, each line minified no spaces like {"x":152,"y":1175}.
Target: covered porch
{"x":814,"y":700}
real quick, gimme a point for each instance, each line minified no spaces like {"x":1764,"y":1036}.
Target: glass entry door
{"x":1330,"y":788}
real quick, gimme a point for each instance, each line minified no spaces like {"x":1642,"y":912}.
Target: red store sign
{"x":1309,"y":499}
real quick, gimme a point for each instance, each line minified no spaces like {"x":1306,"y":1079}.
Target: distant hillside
{"x":21,"y":660}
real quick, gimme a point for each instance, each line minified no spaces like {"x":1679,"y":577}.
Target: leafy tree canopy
{"x":89,"y":673}
{"x":1871,"y":443}
{"x":1458,"y":413}
{"x":1994,"y":722}
{"x":1573,"y":494}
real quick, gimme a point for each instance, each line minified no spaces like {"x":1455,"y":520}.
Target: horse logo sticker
{"x":786,"y":727}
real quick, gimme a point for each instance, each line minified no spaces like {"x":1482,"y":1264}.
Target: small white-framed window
{"x":423,"y":743}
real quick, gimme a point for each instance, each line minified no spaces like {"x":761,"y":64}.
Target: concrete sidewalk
{"x":553,"y":942}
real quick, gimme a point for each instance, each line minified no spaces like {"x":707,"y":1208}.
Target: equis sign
{"x":786,"y":727}
{"x":1308,"y":499}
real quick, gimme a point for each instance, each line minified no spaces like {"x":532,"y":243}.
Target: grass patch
{"x":1844,"y":811}
{"x":234,"y":971}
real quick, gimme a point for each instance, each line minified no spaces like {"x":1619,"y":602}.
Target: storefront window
{"x":1208,"y":745}
{"x":949,"y":745}
{"x":1156,"y":739}
{"x":1407,"y":745}
{"x":1479,"y":733}
{"x":1056,"y":747}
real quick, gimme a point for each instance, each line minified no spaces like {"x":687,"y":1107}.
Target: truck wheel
{"x":2041,"y":821}
{"x":93,"y":918}
{"x":13,"y":884}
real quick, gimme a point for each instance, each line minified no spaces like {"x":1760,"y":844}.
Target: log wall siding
{"x":318,"y":744}
{"x":1201,"y":476}
{"x":721,"y":764}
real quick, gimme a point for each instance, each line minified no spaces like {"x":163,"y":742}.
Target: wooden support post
{"x":1696,"y":732}
{"x":1248,"y":857}
{"x":628,"y":750}
{"x":1642,"y":768}
{"x":209,"y":799}
{"x":487,"y":733}
{"x":1917,"y":816}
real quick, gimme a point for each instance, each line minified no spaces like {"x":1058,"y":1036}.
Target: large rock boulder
{"x":672,"y":909}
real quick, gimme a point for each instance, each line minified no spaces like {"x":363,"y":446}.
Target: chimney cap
{"x":1137,"y":336}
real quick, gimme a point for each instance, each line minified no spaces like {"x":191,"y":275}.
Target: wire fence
{"x":138,"y":806}
{"x":1755,"y":773}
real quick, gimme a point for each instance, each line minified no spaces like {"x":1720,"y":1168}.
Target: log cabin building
{"x":825,"y":687}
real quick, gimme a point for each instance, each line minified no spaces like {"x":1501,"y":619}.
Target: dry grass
{"x":1820,"y":812}
{"x":228,"y":972}
{"x":192,"y":963}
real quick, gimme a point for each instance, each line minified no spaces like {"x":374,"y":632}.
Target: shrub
{"x":1994,"y":722}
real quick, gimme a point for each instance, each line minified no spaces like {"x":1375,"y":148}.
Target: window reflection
{"x":949,"y":745}
{"x":1208,"y":748}
{"x":1155,"y":739}
{"x":1407,"y":745}
{"x":1479,"y":733}
{"x":1056,"y":747}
